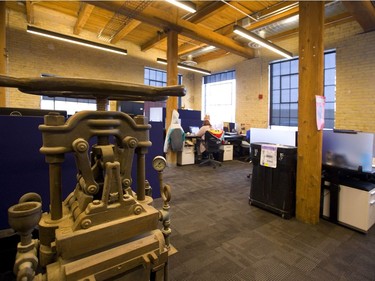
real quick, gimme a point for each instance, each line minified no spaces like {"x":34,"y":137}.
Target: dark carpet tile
{"x":220,"y":237}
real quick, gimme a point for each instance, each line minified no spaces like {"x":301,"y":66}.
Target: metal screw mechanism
{"x":101,"y":103}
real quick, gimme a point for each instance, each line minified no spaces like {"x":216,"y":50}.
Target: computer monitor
{"x":193,"y":129}
{"x":229,"y":126}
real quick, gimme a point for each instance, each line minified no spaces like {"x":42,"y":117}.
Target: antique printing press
{"x":103,"y":230}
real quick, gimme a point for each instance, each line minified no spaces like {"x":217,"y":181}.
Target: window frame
{"x":285,"y":112}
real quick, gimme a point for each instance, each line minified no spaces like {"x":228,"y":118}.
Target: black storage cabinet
{"x":274,"y":189}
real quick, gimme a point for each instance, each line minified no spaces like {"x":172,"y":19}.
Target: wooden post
{"x":3,"y":55}
{"x":172,"y":75}
{"x":311,"y":66}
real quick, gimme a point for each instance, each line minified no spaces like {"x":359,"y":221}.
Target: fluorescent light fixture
{"x":186,"y":67}
{"x":74,"y":40}
{"x":186,"y":5}
{"x":261,"y":41}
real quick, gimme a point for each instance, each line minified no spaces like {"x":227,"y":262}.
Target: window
{"x":219,"y":98}
{"x":284,"y":91}
{"x":155,"y":77}
{"x":158,"y":78}
{"x":71,"y":105}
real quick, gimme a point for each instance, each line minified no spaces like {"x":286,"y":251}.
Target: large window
{"x":219,"y":97}
{"x":284,"y":91}
{"x":155,"y":77}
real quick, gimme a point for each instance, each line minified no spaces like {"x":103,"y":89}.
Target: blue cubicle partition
{"x":23,"y":168}
{"x":157,"y":139}
{"x":190,"y":118}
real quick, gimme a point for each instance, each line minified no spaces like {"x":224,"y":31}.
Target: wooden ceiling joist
{"x":363,"y":12}
{"x":197,"y":17}
{"x":29,"y":12}
{"x":83,"y":15}
{"x":164,"y":20}
{"x":161,"y":37}
{"x":206,"y":11}
{"x":125,"y":31}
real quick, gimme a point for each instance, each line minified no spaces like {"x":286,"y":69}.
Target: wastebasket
{"x":273,"y":184}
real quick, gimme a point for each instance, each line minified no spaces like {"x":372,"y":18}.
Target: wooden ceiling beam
{"x":187,"y":48}
{"x":206,"y":11}
{"x":210,"y":56}
{"x":158,"y":39}
{"x":363,"y":12}
{"x":83,"y":15}
{"x":125,"y":30}
{"x":166,"y":21}
{"x":197,"y":17}
{"x":29,"y":12}
{"x":329,"y":22}
{"x":228,"y":29}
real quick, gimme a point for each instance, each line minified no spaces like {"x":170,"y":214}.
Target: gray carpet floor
{"x":219,"y":236}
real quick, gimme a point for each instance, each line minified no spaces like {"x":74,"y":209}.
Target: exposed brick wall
{"x":355,"y":91}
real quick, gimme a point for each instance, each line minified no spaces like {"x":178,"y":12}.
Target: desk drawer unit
{"x":186,"y":156}
{"x":227,"y":152}
{"x":356,"y":207}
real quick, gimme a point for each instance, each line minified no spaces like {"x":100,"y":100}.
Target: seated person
{"x":205,"y":127}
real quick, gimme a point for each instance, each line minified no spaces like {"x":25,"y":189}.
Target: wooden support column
{"x":172,"y":78}
{"x":3,"y":55}
{"x":311,"y":66}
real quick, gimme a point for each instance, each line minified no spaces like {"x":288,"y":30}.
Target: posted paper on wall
{"x":320,"y":105}
{"x":268,"y":156}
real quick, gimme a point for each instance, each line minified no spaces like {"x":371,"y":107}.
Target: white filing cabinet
{"x":186,"y":156}
{"x":228,"y":151}
{"x":356,"y":207}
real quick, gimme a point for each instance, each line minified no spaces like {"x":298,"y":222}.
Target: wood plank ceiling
{"x":145,"y":23}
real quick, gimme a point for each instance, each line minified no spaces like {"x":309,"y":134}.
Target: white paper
{"x":320,"y":105}
{"x":268,"y":156}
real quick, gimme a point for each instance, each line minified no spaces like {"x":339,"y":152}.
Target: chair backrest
{"x":212,"y":143}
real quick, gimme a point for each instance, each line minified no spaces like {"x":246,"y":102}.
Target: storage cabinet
{"x":227,"y":152}
{"x":186,"y":156}
{"x":355,"y":206}
{"x":273,"y":189}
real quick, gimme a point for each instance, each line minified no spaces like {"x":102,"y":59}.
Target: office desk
{"x":229,"y":138}
{"x":234,"y":140}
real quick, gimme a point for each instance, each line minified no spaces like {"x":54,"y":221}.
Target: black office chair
{"x":212,"y":145}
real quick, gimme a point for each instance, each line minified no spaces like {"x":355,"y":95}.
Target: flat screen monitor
{"x":228,"y":126}
{"x":193,"y":129}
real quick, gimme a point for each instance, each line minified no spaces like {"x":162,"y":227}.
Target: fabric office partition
{"x":22,"y":167}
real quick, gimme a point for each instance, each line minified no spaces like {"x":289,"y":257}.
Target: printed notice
{"x":320,"y":105}
{"x":268,"y":156}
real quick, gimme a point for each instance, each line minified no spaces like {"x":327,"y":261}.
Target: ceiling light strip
{"x":261,"y":41}
{"x":74,"y":40}
{"x":186,"y":67}
{"x":186,"y":5}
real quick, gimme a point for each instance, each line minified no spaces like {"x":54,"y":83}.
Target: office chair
{"x":212,"y":144}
